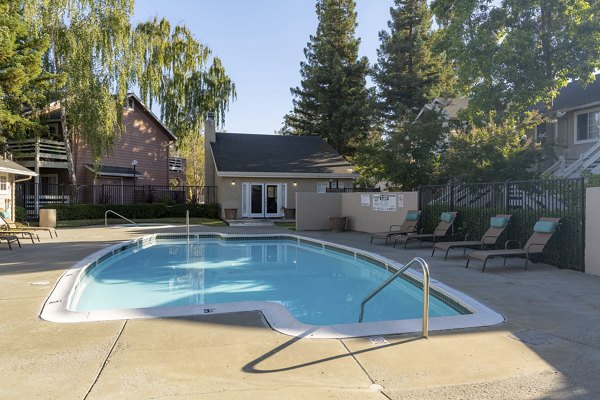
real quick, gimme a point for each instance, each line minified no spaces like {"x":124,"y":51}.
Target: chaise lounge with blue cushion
{"x":542,"y":233}
{"x":446,"y":222}
{"x":498,"y":225}
{"x":411,"y":220}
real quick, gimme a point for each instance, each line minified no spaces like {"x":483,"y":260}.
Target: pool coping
{"x":279,"y":318}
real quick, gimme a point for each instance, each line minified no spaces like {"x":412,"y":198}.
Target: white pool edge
{"x":279,"y":318}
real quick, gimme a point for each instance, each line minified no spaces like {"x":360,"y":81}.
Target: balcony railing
{"x":48,"y":153}
{"x":176,"y":164}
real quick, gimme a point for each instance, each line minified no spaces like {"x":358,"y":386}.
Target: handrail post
{"x":426,"y":279}
{"x":118,"y":215}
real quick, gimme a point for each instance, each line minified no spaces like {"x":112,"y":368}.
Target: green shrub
{"x":20,"y":214}
{"x":140,"y":211}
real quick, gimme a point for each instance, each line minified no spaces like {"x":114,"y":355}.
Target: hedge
{"x":133,"y":211}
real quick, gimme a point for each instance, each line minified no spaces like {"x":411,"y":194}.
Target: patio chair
{"x":411,"y":220}
{"x":498,"y":225}
{"x":16,"y":225}
{"x":542,"y":233}
{"x":9,"y":239}
{"x":446,"y":222}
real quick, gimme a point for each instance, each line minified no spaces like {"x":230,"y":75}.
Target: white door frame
{"x":280,"y":199}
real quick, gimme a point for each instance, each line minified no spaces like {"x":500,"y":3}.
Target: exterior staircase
{"x":573,"y":168}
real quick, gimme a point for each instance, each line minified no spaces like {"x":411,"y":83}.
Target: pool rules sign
{"x":384,"y":202}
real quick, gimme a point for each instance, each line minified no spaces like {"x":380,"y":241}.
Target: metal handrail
{"x":425,"y":269}
{"x":118,"y":215}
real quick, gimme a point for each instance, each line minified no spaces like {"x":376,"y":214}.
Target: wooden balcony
{"x":42,"y":153}
{"x":176,"y":164}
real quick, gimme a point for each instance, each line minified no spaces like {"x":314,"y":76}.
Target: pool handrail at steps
{"x":425,"y":268}
{"x":118,"y":215}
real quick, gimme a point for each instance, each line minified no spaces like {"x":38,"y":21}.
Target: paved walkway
{"x":549,"y":348}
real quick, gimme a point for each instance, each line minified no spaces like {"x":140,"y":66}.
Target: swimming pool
{"x":302,"y":286}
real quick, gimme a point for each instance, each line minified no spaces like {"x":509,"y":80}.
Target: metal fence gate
{"x":527,"y":201}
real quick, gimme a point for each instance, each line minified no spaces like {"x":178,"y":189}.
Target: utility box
{"x":48,"y":217}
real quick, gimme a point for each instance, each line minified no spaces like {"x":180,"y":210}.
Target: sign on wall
{"x":365,"y":200}
{"x":400,"y":200}
{"x":384,"y":202}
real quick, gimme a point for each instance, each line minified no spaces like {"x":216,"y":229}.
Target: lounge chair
{"x":411,"y":220}
{"x":9,"y":239}
{"x":446,"y":222}
{"x":498,"y":225}
{"x":18,"y":226}
{"x":542,"y":233}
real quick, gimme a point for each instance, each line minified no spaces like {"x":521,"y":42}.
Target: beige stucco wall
{"x":592,"y":231}
{"x":313,"y":211}
{"x":230,"y":195}
{"x":365,"y":219}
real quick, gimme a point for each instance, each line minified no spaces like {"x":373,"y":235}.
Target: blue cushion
{"x":412,"y":215}
{"x":447,"y":217}
{"x":5,"y":214}
{"x":545,"y":226}
{"x":498,"y":222}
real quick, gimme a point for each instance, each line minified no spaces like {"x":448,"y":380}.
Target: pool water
{"x":318,"y":286}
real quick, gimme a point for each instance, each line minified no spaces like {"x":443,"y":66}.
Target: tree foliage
{"x":409,"y":75}
{"x":175,"y":71}
{"x":519,"y":53}
{"x":490,"y":153}
{"x":23,"y":83}
{"x":332,"y":100}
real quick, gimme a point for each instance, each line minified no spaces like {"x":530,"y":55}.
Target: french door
{"x":263,"y":200}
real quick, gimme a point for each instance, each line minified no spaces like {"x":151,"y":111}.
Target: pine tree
{"x":22,"y":82}
{"x":408,"y":76}
{"x":332,"y":100}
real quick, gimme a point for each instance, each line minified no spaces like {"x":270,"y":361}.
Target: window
{"x":322,"y":187}
{"x":540,"y":133}
{"x":3,"y":183}
{"x":129,"y":103}
{"x":587,"y":126}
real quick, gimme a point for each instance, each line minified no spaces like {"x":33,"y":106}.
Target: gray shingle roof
{"x":575,"y":95}
{"x":234,"y":152}
{"x":12,"y":167}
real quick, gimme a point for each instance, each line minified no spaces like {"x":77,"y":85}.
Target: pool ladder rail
{"x":118,"y":215}
{"x":425,"y":268}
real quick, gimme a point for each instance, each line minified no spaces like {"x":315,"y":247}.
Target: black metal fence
{"x":352,"y":190}
{"x":32,"y":197}
{"x":526,"y":201}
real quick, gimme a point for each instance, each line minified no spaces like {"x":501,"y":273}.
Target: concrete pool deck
{"x":549,"y":348}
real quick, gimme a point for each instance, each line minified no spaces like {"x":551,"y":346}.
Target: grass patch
{"x":289,"y":225}
{"x":117,"y":221}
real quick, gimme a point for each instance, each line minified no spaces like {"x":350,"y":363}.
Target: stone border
{"x":55,"y":308}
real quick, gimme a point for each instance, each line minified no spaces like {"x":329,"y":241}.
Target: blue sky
{"x":261,"y":44}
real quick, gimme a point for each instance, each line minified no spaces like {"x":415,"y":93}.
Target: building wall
{"x":592,"y":231}
{"x":6,"y":193}
{"x":230,"y":195}
{"x":566,"y":136}
{"x":144,"y":140}
{"x":314,"y":209}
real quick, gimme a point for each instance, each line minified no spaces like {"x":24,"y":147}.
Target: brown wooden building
{"x":146,"y":142}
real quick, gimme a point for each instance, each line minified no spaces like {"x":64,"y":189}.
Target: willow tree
{"x":89,"y":44}
{"x":178,"y":73}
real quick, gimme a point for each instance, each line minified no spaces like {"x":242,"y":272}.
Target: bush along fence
{"x":526,"y":201}
{"x":32,"y":197}
{"x":133,"y":211}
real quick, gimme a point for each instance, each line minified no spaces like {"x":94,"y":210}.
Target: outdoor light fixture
{"x":134,"y":164}
{"x":295,"y":183}
{"x":232,"y":183}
